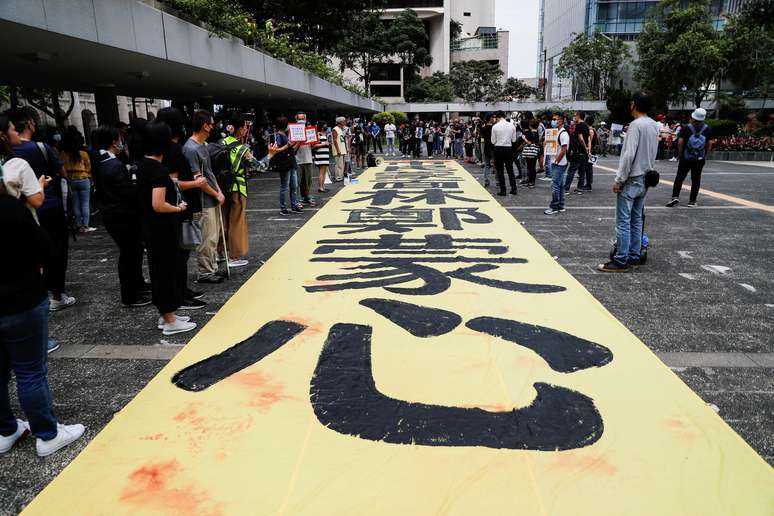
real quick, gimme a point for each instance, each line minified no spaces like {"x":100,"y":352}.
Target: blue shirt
{"x":375,"y":130}
{"x":47,"y":164}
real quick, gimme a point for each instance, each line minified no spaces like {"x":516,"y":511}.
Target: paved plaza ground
{"x":704,"y":303}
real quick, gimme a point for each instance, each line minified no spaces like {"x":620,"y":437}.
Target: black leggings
{"x":531,"y":169}
{"x":54,"y":223}
{"x":695,"y":168}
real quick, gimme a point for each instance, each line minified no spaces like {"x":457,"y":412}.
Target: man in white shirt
{"x":558,"y":166}
{"x":503,"y":136}
{"x":20,"y":180}
{"x":389,"y":133}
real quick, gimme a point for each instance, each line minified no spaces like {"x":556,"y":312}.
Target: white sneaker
{"x":183,"y":318}
{"x":22,"y":429}
{"x":63,"y":302}
{"x":89,"y":229}
{"x":177,"y":327}
{"x":237,"y":263}
{"x":65,"y":435}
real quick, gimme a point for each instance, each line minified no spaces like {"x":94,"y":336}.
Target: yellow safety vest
{"x":237,"y":165}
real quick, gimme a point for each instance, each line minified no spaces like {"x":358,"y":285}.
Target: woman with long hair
{"x":322,"y":155}
{"x":77,"y":167}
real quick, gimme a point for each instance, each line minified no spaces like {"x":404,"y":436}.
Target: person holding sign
{"x":304,"y":160}
{"x":339,"y":148}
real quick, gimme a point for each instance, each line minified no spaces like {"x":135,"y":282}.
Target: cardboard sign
{"x":297,"y":133}
{"x":413,"y":350}
{"x":311,"y":136}
{"x":551,"y":142}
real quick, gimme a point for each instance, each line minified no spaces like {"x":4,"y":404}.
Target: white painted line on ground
{"x":748,"y":287}
{"x":720,"y":270}
{"x":687,"y":276}
{"x":762,"y":164}
{"x":718,"y":195}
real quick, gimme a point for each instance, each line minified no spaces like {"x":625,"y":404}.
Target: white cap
{"x":340,"y":119}
{"x":699,"y":115}
{"x":603,"y":123}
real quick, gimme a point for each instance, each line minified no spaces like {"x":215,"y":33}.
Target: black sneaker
{"x":222,"y":274}
{"x":144,"y":288}
{"x":192,"y":304}
{"x":691,"y":204}
{"x":193,"y":294}
{"x":212,"y":280}
{"x":297,"y":209}
{"x":578,"y":191}
{"x":140,"y":301}
{"x":673,"y":203}
{"x":284,"y":212}
{"x":530,"y":185}
{"x":514,"y":192}
{"x":502,"y":194}
{"x":613,"y":266}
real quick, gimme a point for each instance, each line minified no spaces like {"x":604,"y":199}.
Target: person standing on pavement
{"x":121,"y":215}
{"x":376,"y":137}
{"x":693,"y":144}
{"x":389,"y":133}
{"x":580,"y":151}
{"x":52,"y":216}
{"x":488,"y":148}
{"x":530,"y":152}
{"x":195,"y":151}
{"x":19,"y":179}
{"x":161,"y":209}
{"x":77,"y":167}
{"x":603,"y":134}
{"x":638,"y":156}
{"x":558,"y":165}
{"x":589,"y":120}
{"x":503,"y":136}
{"x":339,"y":148}
{"x":234,"y":210}
{"x":322,"y":155}
{"x":24,"y":330}
{"x":305,"y":165}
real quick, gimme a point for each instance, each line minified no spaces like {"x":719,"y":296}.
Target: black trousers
{"x":531,"y":170}
{"x":377,"y":141}
{"x":429,"y":146}
{"x":416,"y":147}
{"x":165,"y":262}
{"x":695,"y":168}
{"x":503,"y":157}
{"x":127,"y":234}
{"x":55,"y":269}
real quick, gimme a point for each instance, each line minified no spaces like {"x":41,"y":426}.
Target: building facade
{"x":479,"y":41}
{"x":561,"y":20}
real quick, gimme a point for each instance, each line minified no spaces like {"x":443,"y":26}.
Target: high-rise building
{"x":561,"y":20}
{"x":479,"y":40}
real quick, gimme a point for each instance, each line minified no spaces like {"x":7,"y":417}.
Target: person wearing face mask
{"x":558,"y":165}
{"x":121,"y":214}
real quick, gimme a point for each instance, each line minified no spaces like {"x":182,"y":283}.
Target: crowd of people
{"x":178,"y":184}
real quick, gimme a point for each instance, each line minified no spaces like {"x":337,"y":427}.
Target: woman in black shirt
{"x":161,"y":209}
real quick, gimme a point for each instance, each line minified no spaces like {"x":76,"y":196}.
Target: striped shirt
{"x":322,"y":155}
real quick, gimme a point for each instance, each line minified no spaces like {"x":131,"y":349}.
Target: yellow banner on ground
{"x":413,"y":350}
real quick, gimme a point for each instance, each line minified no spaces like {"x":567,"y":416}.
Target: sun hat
{"x":699,"y":115}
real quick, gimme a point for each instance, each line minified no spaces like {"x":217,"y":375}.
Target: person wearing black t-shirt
{"x":581,"y":152}
{"x":161,"y":212}
{"x":180,"y":168}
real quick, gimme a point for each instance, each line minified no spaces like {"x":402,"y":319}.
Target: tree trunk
{"x":14,"y":93}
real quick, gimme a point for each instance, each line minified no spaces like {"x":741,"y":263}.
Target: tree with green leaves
{"x":362,"y":43}
{"x":47,"y":101}
{"x":436,"y":88}
{"x":515,"y":89}
{"x":680,"y":52}
{"x":476,"y":81}
{"x":748,"y":40}
{"x":408,"y":40}
{"x":593,"y":63}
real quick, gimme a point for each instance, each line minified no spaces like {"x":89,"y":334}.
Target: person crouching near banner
{"x":24,"y":329}
{"x":161,"y":210}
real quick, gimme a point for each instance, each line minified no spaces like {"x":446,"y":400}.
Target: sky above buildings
{"x":520,"y":17}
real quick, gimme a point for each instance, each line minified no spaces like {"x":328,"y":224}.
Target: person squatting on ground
{"x":24,"y":307}
{"x":638,"y":156}
{"x":694,"y":143}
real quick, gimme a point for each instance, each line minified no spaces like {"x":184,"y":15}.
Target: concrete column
{"x":107,"y":105}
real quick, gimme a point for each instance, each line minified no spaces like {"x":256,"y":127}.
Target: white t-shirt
{"x":564,"y":140}
{"x":389,"y":130}
{"x":20,"y":179}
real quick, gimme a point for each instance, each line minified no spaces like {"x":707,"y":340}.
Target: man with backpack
{"x":578,"y":153}
{"x":694,"y":143}
{"x":195,"y":151}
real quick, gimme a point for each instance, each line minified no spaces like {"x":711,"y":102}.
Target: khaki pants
{"x":338,"y":169}
{"x":207,"y":260}
{"x":235,"y":221}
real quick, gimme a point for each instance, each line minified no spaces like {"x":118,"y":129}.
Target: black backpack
{"x":220,"y":159}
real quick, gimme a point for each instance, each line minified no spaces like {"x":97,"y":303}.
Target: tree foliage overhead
{"x":476,"y":81}
{"x":593,"y":63}
{"x":436,"y":88}
{"x":680,"y":52}
{"x":362,"y":43}
{"x":409,"y":41}
{"x":748,"y":40}
{"x":515,"y":89}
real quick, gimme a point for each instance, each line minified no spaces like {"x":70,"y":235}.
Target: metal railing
{"x":482,"y":42}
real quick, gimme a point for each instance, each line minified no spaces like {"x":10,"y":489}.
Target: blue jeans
{"x":390,"y":145}
{"x":628,"y":220}
{"x":575,"y":165}
{"x":288,"y":180}
{"x":81,"y":191}
{"x":23,"y":341}
{"x":548,"y":162}
{"x":557,"y":186}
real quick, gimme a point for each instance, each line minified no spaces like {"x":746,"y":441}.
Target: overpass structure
{"x":134,"y":48}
